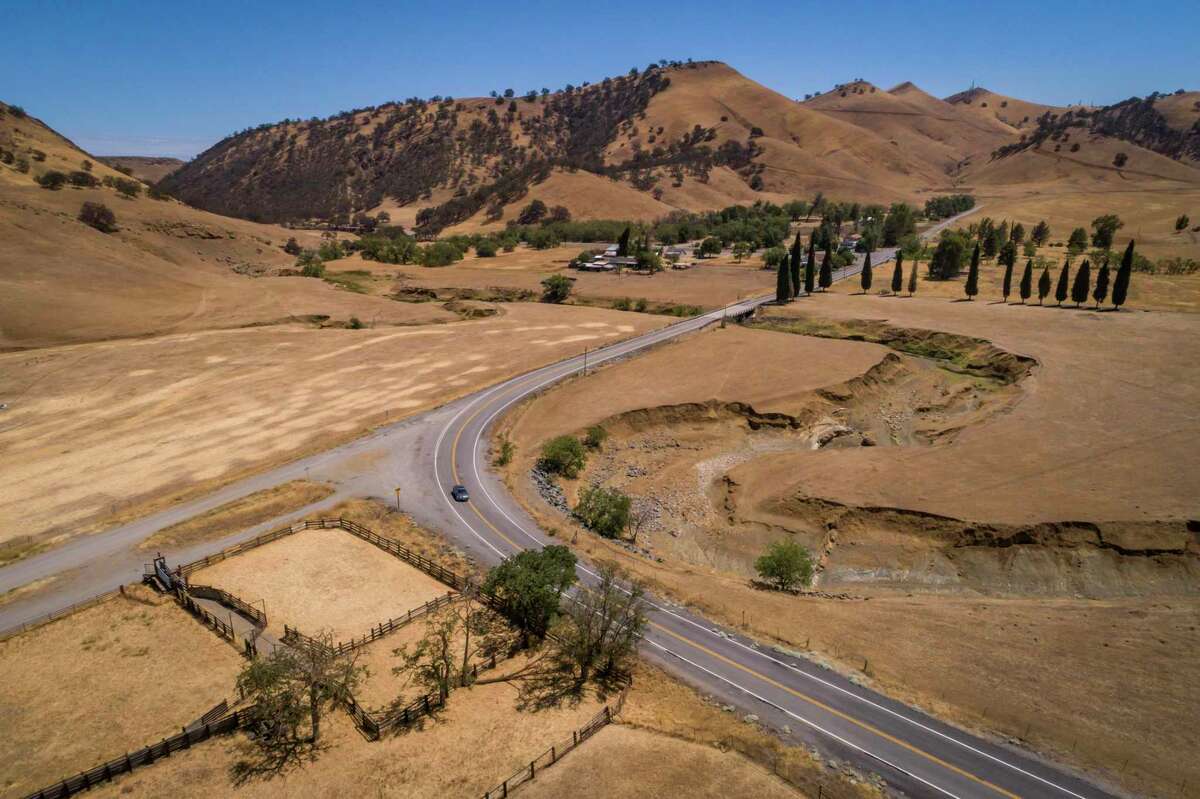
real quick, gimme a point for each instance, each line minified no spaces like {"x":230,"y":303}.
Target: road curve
{"x":915,"y":753}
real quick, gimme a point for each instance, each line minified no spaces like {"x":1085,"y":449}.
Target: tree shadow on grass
{"x":263,"y":757}
{"x":547,"y":685}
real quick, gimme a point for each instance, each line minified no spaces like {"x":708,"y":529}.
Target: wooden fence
{"x":245,"y":546}
{"x":292,"y":635}
{"x":433,"y":569}
{"x":58,"y":614}
{"x":374,"y":723}
{"x":216,"y":623}
{"x":217,"y":712}
{"x":395,"y":548}
{"x":258,"y":617}
{"x":236,"y":720}
{"x":556,"y":752}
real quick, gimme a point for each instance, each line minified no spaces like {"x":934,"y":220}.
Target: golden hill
{"x":924,"y":128}
{"x":1016,"y":114}
{"x":694,"y":136}
{"x":168,"y":268}
{"x":150,"y":169}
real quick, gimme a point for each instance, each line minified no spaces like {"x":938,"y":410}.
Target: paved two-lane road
{"x":915,"y":753}
{"x":427,"y":454}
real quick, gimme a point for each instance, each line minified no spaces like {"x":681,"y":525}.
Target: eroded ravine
{"x":683,"y":465}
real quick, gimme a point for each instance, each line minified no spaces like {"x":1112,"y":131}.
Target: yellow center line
{"x":817,"y":703}
{"x":454,"y":468}
{"x":864,"y":725}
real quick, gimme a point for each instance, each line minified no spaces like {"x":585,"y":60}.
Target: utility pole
{"x":397,"y":498}
{"x":585,"y":350}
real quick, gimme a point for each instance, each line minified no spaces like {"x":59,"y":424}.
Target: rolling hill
{"x":150,"y":169}
{"x":690,"y":136}
{"x":1017,"y":115}
{"x":167,"y":268}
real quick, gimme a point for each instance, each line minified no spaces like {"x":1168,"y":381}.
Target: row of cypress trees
{"x":788,"y":279}
{"x":1077,"y":290}
{"x":791,"y":272}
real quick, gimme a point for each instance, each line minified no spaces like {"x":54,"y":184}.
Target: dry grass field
{"x":246,"y":512}
{"x":323,"y":580}
{"x":109,"y":679}
{"x":477,"y":741}
{"x":151,"y":421}
{"x":1079,"y":417}
{"x":623,"y":763}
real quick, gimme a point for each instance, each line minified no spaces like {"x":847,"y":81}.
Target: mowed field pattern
{"x":97,"y":430}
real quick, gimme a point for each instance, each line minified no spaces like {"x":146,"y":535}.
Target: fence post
{"x":553,"y":755}
{"x":531,"y":762}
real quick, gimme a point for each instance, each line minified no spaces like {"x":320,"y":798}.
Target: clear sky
{"x":171,"y":78}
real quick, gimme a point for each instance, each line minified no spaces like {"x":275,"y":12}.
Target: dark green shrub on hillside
{"x":563,"y":455}
{"x":52,"y":180}
{"x":603,"y":510}
{"x":310,"y":264}
{"x":99,"y":216}
{"x":440,"y":253}
{"x":785,"y":565}
{"x":595,"y":437}
{"x":83,"y":180}
{"x":486,"y":249}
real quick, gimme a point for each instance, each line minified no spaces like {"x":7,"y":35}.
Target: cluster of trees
{"x":1077,"y":290}
{"x":593,"y":637}
{"x":54,"y":180}
{"x":949,"y":205}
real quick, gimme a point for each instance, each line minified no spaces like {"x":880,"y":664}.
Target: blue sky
{"x":171,"y":78}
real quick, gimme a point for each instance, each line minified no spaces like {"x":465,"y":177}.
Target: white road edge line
{"x":803,"y":720}
{"x":641,"y":344}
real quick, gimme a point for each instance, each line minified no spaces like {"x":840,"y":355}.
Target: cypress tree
{"x":826,"y":270}
{"x":783,"y":288}
{"x":1027,"y":281}
{"x":1044,"y":285}
{"x":898,"y":274}
{"x":797,"y":259}
{"x":623,"y":244}
{"x":912,"y":276}
{"x":1101,"y":290}
{"x":795,"y":265}
{"x":1083,"y":282}
{"x":810,"y":268}
{"x":865,"y":275}
{"x":1006,"y":288}
{"x":1121,"y":284}
{"x":1064,"y":280}
{"x":972,"y":285}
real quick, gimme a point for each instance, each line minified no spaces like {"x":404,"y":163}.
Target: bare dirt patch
{"x":254,"y":509}
{"x":323,"y":580}
{"x":106,"y":680}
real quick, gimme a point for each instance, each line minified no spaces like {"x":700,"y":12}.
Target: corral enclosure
{"x":324,"y":579}
{"x":103,"y":681}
